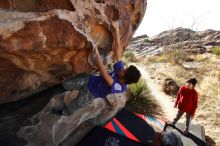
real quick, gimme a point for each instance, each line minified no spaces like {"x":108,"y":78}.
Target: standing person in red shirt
{"x":186,"y":101}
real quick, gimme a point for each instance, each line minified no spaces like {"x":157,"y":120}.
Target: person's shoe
{"x":172,"y":124}
{"x":165,"y":126}
{"x":186,"y":132}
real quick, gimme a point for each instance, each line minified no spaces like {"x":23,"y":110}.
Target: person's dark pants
{"x":179,"y":115}
{"x":80,"y":83}
{"x":77,"y":82}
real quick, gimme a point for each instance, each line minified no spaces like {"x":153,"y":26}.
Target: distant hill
{"x":179,"y":38}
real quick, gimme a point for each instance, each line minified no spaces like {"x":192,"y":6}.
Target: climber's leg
{"x":77,"y":82}
{"x":84,"y":97}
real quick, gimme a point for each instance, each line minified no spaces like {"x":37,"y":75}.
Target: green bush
{"x":136,"y":90}
{"x":147,"y":40}
{"x":130,"y":56}
{"x":141,"y":100}
{"x":175,"y":56}
{"x":216,"y":50}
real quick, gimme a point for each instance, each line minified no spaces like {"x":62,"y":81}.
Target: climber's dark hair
{"x":132,"y":75}
{"x":193,"y":81}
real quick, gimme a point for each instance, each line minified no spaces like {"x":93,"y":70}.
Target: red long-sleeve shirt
{"x":187,"y":100}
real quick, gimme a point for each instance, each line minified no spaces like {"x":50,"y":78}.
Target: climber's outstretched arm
{"x":118,"y":48}
{"x":102,"y":69}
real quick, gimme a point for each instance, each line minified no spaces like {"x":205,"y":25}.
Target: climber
{"x":187,"y":99}
{"x":93,"y":86}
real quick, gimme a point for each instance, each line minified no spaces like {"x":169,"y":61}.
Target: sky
{"x":163,"y":15}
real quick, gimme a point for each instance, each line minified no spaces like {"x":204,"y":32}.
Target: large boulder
{"x":43,"y":42}
{"x":53,"y":130}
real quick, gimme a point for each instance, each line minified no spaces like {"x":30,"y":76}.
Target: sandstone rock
{"x":210,"y":35}
{"x":60,"y":101}
{"x":43,"y":42}
{"x":30,"y":121}
{"x":52,"y":130}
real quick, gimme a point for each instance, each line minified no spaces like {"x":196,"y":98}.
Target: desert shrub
{"x":155,"y":59}
{"x":141,"y":100}
{"x":147,"y":40}
{"x":175,"y":56}
{"x":135,"y":90}
{"x":216,"y":50}
{"x":130,"y":56}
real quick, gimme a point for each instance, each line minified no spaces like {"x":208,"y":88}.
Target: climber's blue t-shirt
{"x":99,"y":87}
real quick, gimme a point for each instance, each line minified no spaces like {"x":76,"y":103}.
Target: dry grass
{"x":175,"y":56}
{"x":130,"y":56}
{"x":155,"y":59}
{"x":216,"y":50}
{"x":208,"y":113}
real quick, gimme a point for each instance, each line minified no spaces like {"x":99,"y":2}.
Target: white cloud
{"x":164,"y":14}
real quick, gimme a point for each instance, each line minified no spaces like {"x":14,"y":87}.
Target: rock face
{"x":43,"y":42}
{"x":53,"y":130}
{"x":180,"y":38}
{"x":32,"y":122}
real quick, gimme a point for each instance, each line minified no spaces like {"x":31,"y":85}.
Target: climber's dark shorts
{"x":77,"y":82}
{"x":84,"y":97}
